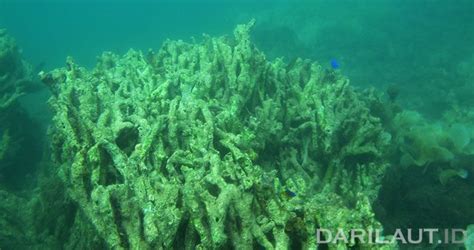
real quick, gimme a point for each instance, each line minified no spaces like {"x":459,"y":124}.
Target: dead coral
{"x":168,"y":150}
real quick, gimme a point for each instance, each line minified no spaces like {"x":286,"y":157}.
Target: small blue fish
{"x":290,"y":193}
{"x":334,"y":64}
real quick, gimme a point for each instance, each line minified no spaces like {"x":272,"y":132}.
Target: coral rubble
{"x":211,"y":146}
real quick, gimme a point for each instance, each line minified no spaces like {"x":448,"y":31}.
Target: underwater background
{"x":406,"y":120}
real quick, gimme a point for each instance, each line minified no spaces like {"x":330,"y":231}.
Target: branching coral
{"x":13,"y":72}
{"x":191,"y":147}
{"x":15,"y":80}
{"x":432,"y":172}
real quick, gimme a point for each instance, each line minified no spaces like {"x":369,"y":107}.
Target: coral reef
{"x":211,"y":146}
{"x":4,"y":143}
{"x":11,"y":71}
{"x":14,"y":222}
{"x":321,"y":30}
{"x":14,"y":76}
{"x":430,"y":182}
{"x":19,"y":138}
{"x":440,"y":144}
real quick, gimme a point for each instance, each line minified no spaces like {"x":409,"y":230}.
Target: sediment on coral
{"x":20,"y":142}
{"x":211,"y":146}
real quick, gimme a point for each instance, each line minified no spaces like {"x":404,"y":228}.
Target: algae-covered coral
{"x":210,"y":145}
{"x":14,"y":76}
{"x":19,"y":149}
{"x":11,"y":75}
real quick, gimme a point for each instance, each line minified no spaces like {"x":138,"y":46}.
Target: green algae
{"x":186,"y":147}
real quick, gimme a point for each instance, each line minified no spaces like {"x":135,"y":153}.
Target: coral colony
{"x":211,"y":146}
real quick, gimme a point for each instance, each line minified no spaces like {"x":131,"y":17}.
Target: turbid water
{"x":236,"y":124}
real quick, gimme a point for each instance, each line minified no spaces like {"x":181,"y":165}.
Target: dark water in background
{"x":412,"y":44}
{"x":423,"y":47}
{"x":51,"y":30}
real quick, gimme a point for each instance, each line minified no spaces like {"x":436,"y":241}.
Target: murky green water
{"x":351,"y":115}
